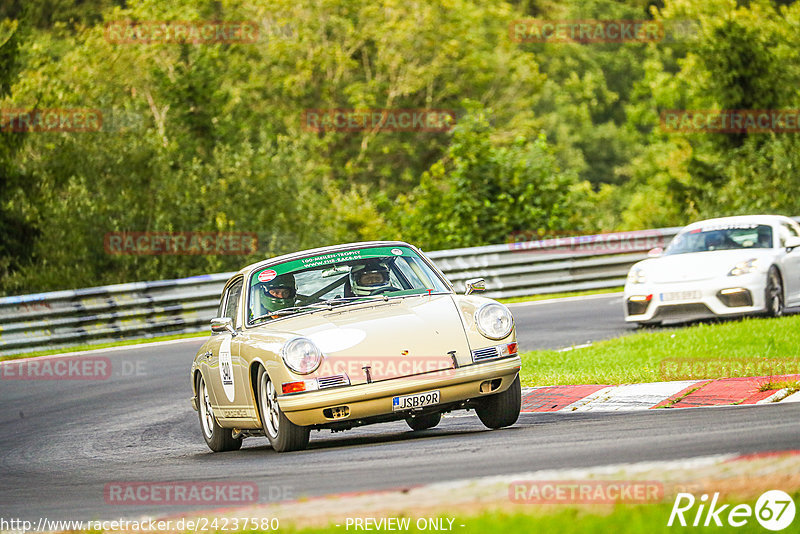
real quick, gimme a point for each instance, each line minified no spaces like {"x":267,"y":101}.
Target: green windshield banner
{"x":332,"y":258}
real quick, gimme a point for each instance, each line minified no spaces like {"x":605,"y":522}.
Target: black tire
{"x":424,"y":422}
{"x":217,"y":438}
{"x":650,"y":324}
{"x":283,"y":435}
{"x":501,"y":409}
{"x":774,"y":293}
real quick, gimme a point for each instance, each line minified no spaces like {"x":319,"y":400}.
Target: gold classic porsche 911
{"x":349,"y":335}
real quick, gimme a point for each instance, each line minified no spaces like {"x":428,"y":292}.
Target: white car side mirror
{"x":792,"y":243}
{"x":655,"y":252}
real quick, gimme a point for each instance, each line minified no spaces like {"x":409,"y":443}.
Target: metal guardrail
{"x":62,"y":319}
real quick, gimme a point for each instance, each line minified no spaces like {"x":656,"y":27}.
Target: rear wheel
{"x":774,"y":293}
{"x":283,"y":435}
{"x":501,"y":409}
{"x":424,"y":422}
{"x":217,"y":438}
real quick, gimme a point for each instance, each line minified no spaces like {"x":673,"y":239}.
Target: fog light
{"x":487,"y":386}
{"x":735,"y":297}
{"x":339,"y":412}
{"x":637,"y":304}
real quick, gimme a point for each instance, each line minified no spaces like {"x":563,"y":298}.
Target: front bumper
{"x":718,"y":297}
{"x":375,"y":399}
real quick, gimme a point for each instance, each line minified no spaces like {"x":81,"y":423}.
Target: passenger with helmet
{"x":277,"y":294}
{"x":370,"y":278}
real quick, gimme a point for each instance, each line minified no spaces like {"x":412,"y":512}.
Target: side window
{"x":232,"y":300}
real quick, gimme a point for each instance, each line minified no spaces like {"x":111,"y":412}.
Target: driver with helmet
{"x":277,"y":294}
{"x":370,"y":278}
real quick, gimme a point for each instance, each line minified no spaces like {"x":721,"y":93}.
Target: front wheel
{"x":283,"y":435}
{"x":501,"y":409}
{"x":424,"y":422}
{"x":774,"y":293}
{"x":217,"y":438}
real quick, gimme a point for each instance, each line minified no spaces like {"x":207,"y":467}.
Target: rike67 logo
{"x":774,"y":510}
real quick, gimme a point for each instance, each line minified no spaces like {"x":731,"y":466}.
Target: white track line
{"x":629,"y":397}
{"x":794,"y":397}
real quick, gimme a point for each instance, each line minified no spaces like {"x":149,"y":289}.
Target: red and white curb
{"x":681,"y":394}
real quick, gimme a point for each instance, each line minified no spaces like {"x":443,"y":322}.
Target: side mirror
{"x":792,"y":243}
{"x":220,"y":325}
{"x":475,"y":284}
{"x":655,"y":252}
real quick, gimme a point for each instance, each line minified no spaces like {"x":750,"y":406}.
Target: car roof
{"x":741,"y":219}
{"x":321,"y":250}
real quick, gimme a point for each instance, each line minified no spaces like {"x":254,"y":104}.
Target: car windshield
{"x":338,"y":278}
{"x":721,"y":237}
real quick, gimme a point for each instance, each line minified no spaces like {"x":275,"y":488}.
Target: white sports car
{"x":719,"y":267}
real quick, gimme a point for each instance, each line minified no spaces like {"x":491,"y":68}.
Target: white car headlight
{"x":744,"y":267}
{"x":637,"y":276}
{"x":494,"y":320}
{"x":301,"y":355}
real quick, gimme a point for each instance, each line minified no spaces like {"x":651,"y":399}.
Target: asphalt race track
{"x":61,"y":442}
{"x":560,"y":323}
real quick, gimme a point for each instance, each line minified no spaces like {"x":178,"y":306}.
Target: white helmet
{"x":369,"y":278}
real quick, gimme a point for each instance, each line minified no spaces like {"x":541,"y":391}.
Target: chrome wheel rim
{"x":206,"y":413}
{"x":270,"y":411}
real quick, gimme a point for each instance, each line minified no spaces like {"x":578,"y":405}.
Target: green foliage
{"x":209,"y":137}
{"x":480,"y":193}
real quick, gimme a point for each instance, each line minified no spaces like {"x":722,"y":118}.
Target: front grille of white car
{"x":333,"y":381}
{"x":485,"y":354}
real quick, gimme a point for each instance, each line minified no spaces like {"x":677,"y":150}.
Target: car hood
{"x":698,"y":266}
{"x":397,"y":337}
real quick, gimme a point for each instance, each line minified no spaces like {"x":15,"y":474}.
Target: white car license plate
{"x":680,"y":295}
{"x":417,"y":400}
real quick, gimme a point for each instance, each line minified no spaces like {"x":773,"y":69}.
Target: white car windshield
{"x":721,"y":237}
{"x":338,"y":278}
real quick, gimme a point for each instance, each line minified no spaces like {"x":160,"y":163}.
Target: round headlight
{"x":494,"y":320}
{"x":301,"y":355}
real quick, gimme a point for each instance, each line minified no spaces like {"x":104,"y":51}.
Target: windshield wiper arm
{"x":287,"y":311}
{"x":349,"y":299}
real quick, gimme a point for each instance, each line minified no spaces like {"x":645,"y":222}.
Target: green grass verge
{"x":621,"y":519}
{"x":110,"y":344}
{"x":749,"y":347}
{"x":548,"y":296}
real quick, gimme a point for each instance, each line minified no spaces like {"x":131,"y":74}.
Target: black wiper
{"x":344,"y":300}
{"x":286,"y":311}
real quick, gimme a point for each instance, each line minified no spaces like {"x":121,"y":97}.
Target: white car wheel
{"x":282,"y":434}
{"x":217,"y":438}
